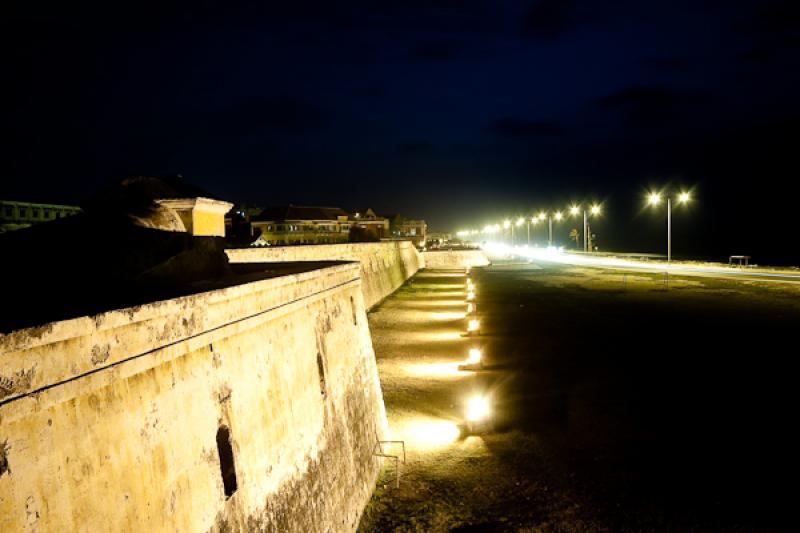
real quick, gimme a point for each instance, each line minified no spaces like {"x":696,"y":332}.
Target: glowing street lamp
{"x":520,"y":221}
{"x":653,"y":199}
{"x":594,"y":210}
{"x":508,"y":225}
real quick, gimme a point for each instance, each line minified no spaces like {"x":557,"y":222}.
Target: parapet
{"x":202,"y":217}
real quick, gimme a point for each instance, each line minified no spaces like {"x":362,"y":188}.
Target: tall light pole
{"x":540,"y":217}
{"x":594,"y":210}
{"x":654,"y":199}
{"x":529,"y":231}
{"x":558,"y":216}
{"x":520,"y":221}
{"x":506,"y":225}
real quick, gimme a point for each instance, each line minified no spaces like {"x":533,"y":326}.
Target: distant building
{"x":18,"y":215}
{"x":409,"y":229}
{"x":374,"y":225}
{"x":436,"y":239}
{"x":300,"y":225}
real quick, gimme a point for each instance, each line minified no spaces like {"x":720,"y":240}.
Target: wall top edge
{"x":305,"y":283}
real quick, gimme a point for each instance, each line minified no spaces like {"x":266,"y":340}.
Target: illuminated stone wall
{"x":455,"y":258}
{"x":112,"y":422}
{"x":384,"y":265}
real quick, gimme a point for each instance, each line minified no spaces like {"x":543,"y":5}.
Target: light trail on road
{"x":553,"y":255}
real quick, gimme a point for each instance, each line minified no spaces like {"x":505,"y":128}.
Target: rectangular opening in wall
{"x":226,"y":464}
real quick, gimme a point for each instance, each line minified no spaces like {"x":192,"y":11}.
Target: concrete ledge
{"x":455,"y":258}
{"x":35,"y":358}
{"x":384,"y":266}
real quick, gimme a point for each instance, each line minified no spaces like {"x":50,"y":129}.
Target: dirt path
{"x":618,"y":405}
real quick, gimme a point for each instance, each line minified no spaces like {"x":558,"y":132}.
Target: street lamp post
{"x":593,"y":210}
{"x":542,"y":216}
{"x":529,"y":232}
{"x":654,"y":199}
{"x":557,"y":215}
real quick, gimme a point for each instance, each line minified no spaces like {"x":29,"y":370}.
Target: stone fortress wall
{"x":455,"y":258}
{"x":384,"y":265}
{"x":247,"y":408}
{"x":253,"y":407}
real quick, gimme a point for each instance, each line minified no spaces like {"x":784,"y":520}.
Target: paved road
{"x":676,"y":268}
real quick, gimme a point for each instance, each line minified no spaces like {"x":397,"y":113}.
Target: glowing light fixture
{"x":654,"y":199}
{"x":574,"y":210}
{"x":473,"y":325}
{"x":506,"y":224}
{"x":470,"y":307}
{"x":559,"y":215}
{"x":474,"y":356}
{"x":477,"y":409}
{"x":595,"y":210}
{"x":470,"y":295}
{"x":520,"y":221}
{"x":431,"y":433}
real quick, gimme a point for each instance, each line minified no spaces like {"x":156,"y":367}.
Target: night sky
{"x":462,"y":112}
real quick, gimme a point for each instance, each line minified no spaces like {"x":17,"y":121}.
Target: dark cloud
{"x":433,"y":52}
{"x":515,"y":128}
{"x":549,"y":19}
{"x":284,"y":114}
{"x":663,"y":63}
{"x":759,"y":55}
{"x":774,"y":17}
{"x":416,"y":147}
{"x":650,"y":106}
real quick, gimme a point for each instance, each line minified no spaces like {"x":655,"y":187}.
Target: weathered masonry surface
{"x":250,"y":408}
{"x":455,"y":258}
{"x":384,"y":265}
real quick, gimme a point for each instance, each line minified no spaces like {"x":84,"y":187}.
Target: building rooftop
{"x":300,"y":212}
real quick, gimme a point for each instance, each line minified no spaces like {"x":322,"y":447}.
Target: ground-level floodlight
{"x":473,"y":361}
{"x":473,"y":326}
{"x":470,"y":296}
{"x":470,"y":308}
{"x":478,"y":414}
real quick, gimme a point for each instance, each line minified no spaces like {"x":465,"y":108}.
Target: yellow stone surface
{"x":113,"y":426}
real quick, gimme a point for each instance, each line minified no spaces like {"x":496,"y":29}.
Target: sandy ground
{"x":619,"y":403}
